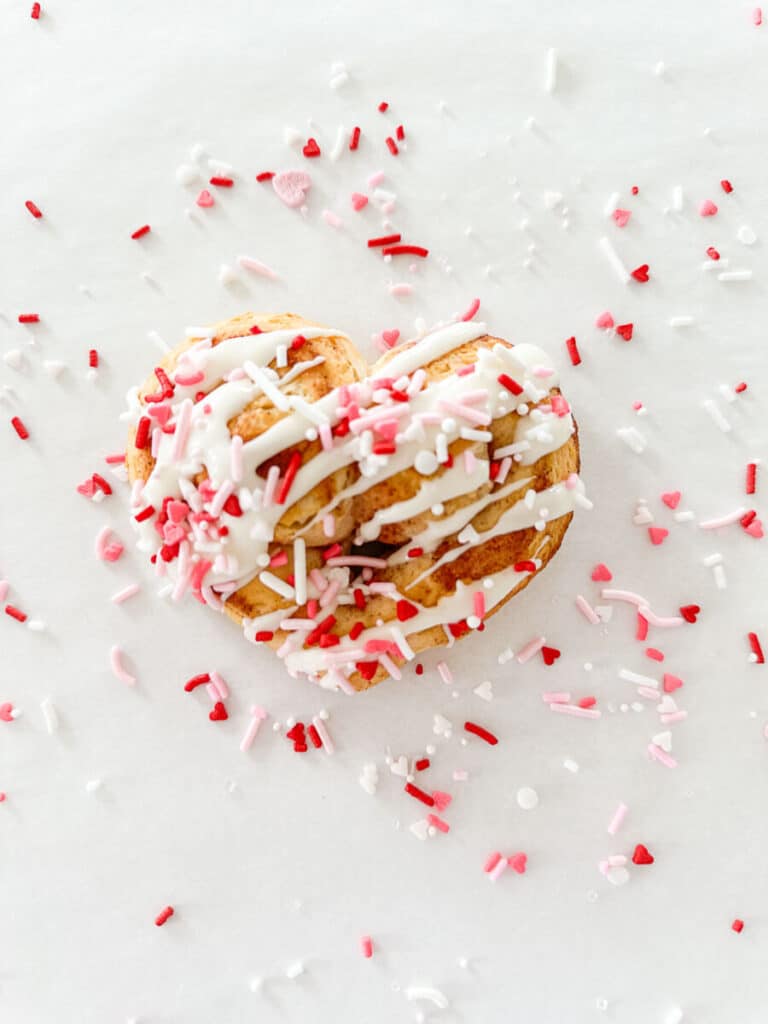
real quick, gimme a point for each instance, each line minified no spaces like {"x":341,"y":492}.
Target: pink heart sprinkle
{"x":292,"y":187}
{"x":605,"y":320}
{"x":88,"y":489}
{"x":518,"y":862}
{"x":707,"y":208}
{"x":657,"y":534}
{"x":601,"y":573}
{"x":621,"y":217}
{"x":390,"y":337}
{"x":671,"y":498}
{"x":162,"y":413}
{"x":205,"y":198}
{"x":359,"y":201}
{"x":442,"y":800}
{"x":755,"y":529}
{"x":112,"y":551}
{"x":6,"y":712}
{"x":671,"y":683}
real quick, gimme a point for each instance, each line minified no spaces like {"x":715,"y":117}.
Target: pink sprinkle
{"x":376,"y":179}
{"x":617,"y":820}
{"x":654,"y":653}
{"x":471,"y":312}
{"x":249,"y":263}
{"x":491,"y":862}
{"x":401,"y":289}
{"x":332,"y":219}
{"x":661,"y":756}
{"x":641,"y":632}
{"x":496,"y":872}
{"x":621,"y":217}
{"x":219,"y":686}
{"x":478,"y":601}
{"x":366,"y":946}
{"x":438,"y":823}
{"x":444,"y":672}
{"x":118,"y":459}
{"x":118,"y":668}
{"x":188,"y":380}
{"x":726,"y":520}
{"x":707,"y":208}
{"x":125,"y":593}
{"x":587,"y":610}
{"x":105,"y":550}
{"x":531,"y":648}
{"x":575,"y":711}
{"x":556,"y":697}
{"x":673,"y":716}
{"x":322,"y":732}
{"x":757,"y":16}
{"x":359,"y":201}
{"x":258,"y":715}
{"x":357,"y":560}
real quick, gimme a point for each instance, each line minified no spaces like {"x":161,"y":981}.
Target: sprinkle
{"x":474,"y":306}
{"x":735,"y":275}
{"x":279,"y":586}
{"x":478,"y":730}
{"x":575,"y":711}
{"x":15,"y":613}
{"x":531,"y":648}
{"x":384,"y":240}
{"x":757,"y":20}
{"x":140,"y":232}
{"x":265,"y":176}
{"x":221,"y":182}
{"x":322,"y":732}
{"x":559,"y":697}
{"x":419,"y":794}
{"x":249,"y":263}
{"x":29,"y":318}
{"x":125,"y":593}
{"x":737,"y":925}
{"x":573,"y":351}
{"x":617,"y":820}
{"x":726,"y":186}
{"x":116,"y":664}
{"x":405,"y":250}
{"x":751,"y":477}
{"x":434,"y":995}
{"x":527,"y":798}
{"x":550,"y":76}
{"x":587,"y":610}
{"x":392,"y":145}
{"x":661,"y":756}
{"x":293,"y":971}
{"x":258,"y":715}
{"x":35,"y":12}
{"x":511,"y":385}
{"x":33,"y":209}
{"x":726,"y":520}
{"x":366,"y":946}
{"x":287,"y":481}
{"x":757,"y":650}
{"x":636,"y":677}
{"x":18,"y":426}
{"x":498,"y":869}
{"x":707,"y":208}
{"x":614,"y":259}
{"x":354,"y":141}
{"x":163,"y":916}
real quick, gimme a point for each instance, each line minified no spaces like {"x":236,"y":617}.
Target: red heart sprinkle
{"x":641,"y":273}
{"x":550,"y":655}
{"x":671,"y":683}
{"x":671,"y":499}
{"x":689,"y":612}
{"x":642,"y":855}
{"x":219,"y":712}
{"x":406,"y":610}
{"x":518,"y":862}
{"x":625,"y":330}
{"x":601,"y":573}
{"x":311,"y":149}
{"x":367,"y":669}
{"x":657,"y":534}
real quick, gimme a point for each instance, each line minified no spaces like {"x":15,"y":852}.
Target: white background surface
{"x":101,"y":103}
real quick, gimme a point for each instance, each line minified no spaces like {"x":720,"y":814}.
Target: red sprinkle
{"x":15,"y":613}
{"x":290,"y":476}
{"x":737,"y":925}
{"x":332,"y":551}
{"x":635,"y":190}
{"x":757,"y":650}
{"x":101,"y":483}
{"x":654,"y":653}
{"x":222,"y":182}
{"x":641,"y":273}
{"x":526,"y":566}
{"x":573,"y":351}
{"x":18,"y":426}
{"x":359,"y":597}
{"x":33,"y":209}
{"x":93,"y":358}
{"x":392,"y":146}
{"x":713,"y":253}
{"x":478,"y":730}
{"x":29,"y":318}
{"x":726,"y":186}
{"x":511,"y":385}
{"x":35,"y":12}
{"x":140,"y":232}
{"x":311,"y":149}
{"x":400,"y":133}
{"x":384,"y":240}
{"x":383,"y":106}
{"x":406,"y":610}
{"x":419,"y":794}
{"x":146,"y":513}
{"x":406,"y":250}
{"x":141,"y":440}
{"x":422,"y":763}
{"x":751,"y":477}
{"x":354,"y":142}
{"x":195,"y":681}
{"x":415,"y":552}
{"x":356,"y":630}
{"x":265,"y":176}
{"x":263,"y":636}
{"x":163,"y":916}
{"x":314,"y":737}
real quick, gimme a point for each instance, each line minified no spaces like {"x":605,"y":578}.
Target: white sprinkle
{"x":636,"y":677}
{"x":677,"y":198}
{"x":720,"y":579}
{"x":50,"y":715}
{"x":485,"y":690}
{"x":614,"y":259}
{"x":613,"y":201}
{"x":93,"y":785}
{"x":339,"y":144}
{"x":684,"y":517}
{"x":735,"y":275}
{"x":294,"y":970}
{"x":256,"y":983}
{"x":550,"y":77}
{"x":14,"y":358}
{"x":53,"y":367}
{"x":433,"y":995}
{"x":716,"y":415}
{"x":186,"y":174}
{"x":300,"y":570}
{"x":292,"y":135}
{"x":681,"y":321}
{"x":712,"y":560}
{"x":570,"y":765}
{"x":674,"y":1015}
{"x":618,"y":819}
{"x":527,"y":798}
{"x":279,"y":586}
{"x":633,"y":439}
{"x":659,"y":68}
{"x":746,"y":235}
{"x":227,"y":274}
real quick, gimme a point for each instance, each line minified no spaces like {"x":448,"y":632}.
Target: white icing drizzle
{"x":418,"y":430}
